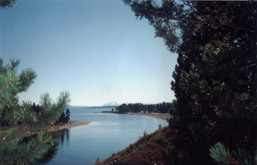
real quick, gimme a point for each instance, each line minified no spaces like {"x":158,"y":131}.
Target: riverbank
{"x":76,"y":123}
{"x":149,"y":149}
{"x":70,"y":124}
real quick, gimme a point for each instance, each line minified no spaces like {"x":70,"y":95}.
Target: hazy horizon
{"x":96,"y":50}
{"x":117,"y":104}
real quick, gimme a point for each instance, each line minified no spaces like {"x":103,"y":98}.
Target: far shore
{"x":162,"y":116}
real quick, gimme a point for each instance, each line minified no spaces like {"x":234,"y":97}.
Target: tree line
{"x":144,"y":108}
{"x":35,"y":108}
{"x":23,"y":117}
{"x":63,"y":119}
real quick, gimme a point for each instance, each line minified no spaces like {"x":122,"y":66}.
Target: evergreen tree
{"x":215,"y":78}
{"x":138,"y":107}
{"x":7,"y":3}
{"x":67,"y":116}
{"x":64,"y":118}
{"x":223,"y":155}
{"x":20,"y":118}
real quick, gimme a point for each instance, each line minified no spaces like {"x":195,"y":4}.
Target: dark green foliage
{"x":13,"y":153}
{"x":15,"y":117}
{"x":67,"y":116}
{"x":36,"y":108}
{"x":220,"y":154}
{"x":26,"y":79}
{"x":64,"y":118}
{"x":7,"y":3}
{"x":51,"y":153}
{"x":215,"y":77}
{"x":138,"y":107}
{"x":223,"y":156}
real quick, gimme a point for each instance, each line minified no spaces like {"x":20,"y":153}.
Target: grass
{"x":148,"y":149}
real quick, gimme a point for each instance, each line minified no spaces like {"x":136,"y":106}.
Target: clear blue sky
{"x":95,"y":49}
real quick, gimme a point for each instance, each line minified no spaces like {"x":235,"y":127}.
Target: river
{"x":106,"y":134}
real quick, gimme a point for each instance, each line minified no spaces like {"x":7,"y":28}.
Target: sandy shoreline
{"x":70,"y":124}
{"x":76,"y":123}
{"x":162,"y":116}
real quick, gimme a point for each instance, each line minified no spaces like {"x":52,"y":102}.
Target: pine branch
{"x":37,"y":147}
{"x":28,"y":153}
{"x":16,"y":137}
{"x":6,"y":85}
{"x":17,"y":118}
{"x":7,"y":3}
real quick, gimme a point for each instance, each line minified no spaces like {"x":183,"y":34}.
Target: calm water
{"x":107,"y":134}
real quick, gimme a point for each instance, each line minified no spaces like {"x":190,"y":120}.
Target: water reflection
{"x":50,"y":155}
{"x":62,"y":136}
{"x":59,"y":137}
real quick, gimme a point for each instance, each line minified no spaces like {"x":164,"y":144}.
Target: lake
{"x":106,"y":134}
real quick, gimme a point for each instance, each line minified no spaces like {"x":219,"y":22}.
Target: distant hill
{"x":103,"y":106}
{"x":107,"y":105}
{"x":115,"y":104}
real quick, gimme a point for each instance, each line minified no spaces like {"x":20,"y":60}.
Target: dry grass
{"x":150,"y":149}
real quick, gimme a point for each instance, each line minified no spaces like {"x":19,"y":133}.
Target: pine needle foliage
{"x":18,"y":119}
{"x":223,"y":156}
{"x":220,"y":153}
{"x":7,"y":3}
{"x":215,"y":76}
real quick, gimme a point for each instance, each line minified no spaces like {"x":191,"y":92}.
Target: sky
{"x":95,"y":49}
